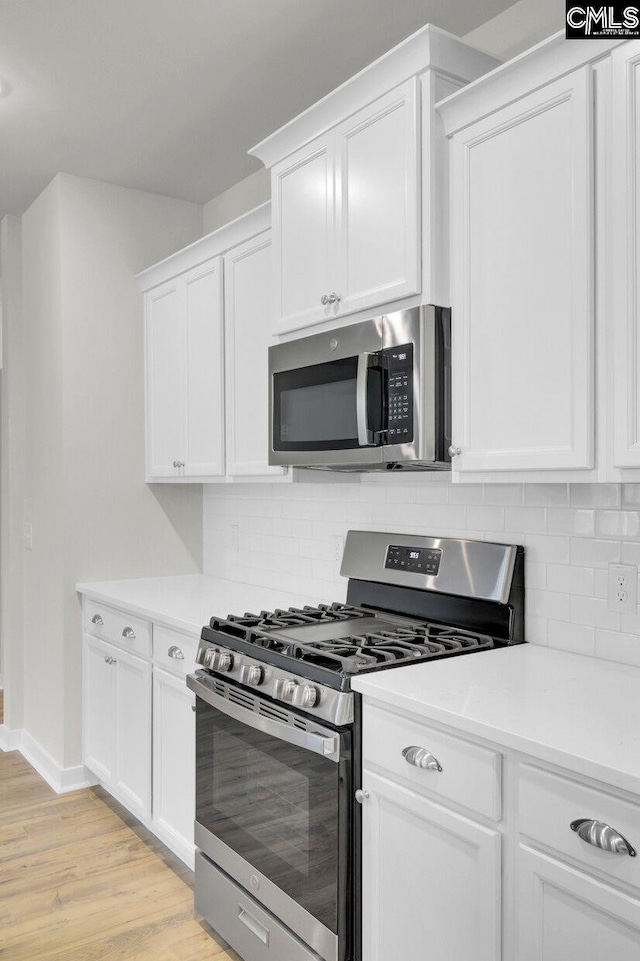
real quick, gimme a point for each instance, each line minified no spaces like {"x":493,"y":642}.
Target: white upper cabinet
{"x":166,"y":378}
{"x":525,"y":177}
{"x":349,"y":226}
{"x":378,"y":173}
{"x":304,"y":208}
{"x":207,"y":356}
{"x":204,"y":450}
{"x":624,"y":183}
{"x":247,"y":297}
{"x":184,"y":369}
{"x":522,"y":291}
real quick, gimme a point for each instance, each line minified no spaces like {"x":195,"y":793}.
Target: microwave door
{"x":327,"y":399}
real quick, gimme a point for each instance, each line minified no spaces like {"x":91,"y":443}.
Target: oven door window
{"x":315,"y":407}
{"x":275,"y":804}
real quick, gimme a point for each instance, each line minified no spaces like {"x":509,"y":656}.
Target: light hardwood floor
{"x":81,"y":880}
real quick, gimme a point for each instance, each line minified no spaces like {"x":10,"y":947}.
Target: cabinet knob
{"x":361,"y":796}
{"x":420,"y":757}
{"x":455,"y":451}
{"x":96,"y":619}
{"x":175,"y":651}
{"x":129,"y":633}
{"x":602,"y":836}
{"x":327,"y":299}
{"x":109,"y":660}
{"x":178,"y":463}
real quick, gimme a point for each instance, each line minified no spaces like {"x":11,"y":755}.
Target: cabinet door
{"x":430,"y":879}
{"x":174,"y":775}
{"x":565,"y":915}
{"x":132,"y":718}
{"x":379,"y":162}
{"x":99,"y":708}
{"x":304,"y":225}
{"x":166,"y":373}
{"x":205,"y":371}
{"x":247,"y":308}
{"x":522,"y":289}
{"x":624,"y":192}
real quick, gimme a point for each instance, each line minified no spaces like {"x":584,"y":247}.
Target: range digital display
{"x":416,"y":560}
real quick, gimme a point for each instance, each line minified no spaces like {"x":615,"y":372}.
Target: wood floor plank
{"x":81,"y":880}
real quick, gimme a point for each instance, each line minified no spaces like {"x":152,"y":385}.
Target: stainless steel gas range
{"x":278,"y":732}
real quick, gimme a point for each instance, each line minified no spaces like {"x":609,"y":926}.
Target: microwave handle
{"x":365,"y":361}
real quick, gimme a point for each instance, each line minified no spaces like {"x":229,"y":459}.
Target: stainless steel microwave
{"x":371,"y":396}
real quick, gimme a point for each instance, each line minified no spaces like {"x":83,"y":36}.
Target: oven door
{"x":327,"y":398}
{"x":274,"y":809}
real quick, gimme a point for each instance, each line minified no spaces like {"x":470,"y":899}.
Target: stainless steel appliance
{"x":278,"y":732}
{"x":370,"y":396}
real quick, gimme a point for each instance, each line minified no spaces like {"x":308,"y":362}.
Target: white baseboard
{"x":61,"y":779}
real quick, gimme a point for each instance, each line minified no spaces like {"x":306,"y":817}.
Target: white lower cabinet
{"x":173,"y":761}
{"x":139,"y":723}
{"x":117,"y":711}
{"x":422,"y":866}
{"x":565,"y":915}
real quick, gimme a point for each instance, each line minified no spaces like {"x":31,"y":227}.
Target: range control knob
{"x":221,"y":661}
{"x":252,"y":675}
{"x":306,"y":696}
{"x":287,"y":690}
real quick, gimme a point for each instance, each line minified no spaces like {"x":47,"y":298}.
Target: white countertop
{"x":581,"y":713}
{"x":187,"y":603}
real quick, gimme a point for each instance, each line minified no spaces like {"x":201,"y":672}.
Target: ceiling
{"x":168,"y":95}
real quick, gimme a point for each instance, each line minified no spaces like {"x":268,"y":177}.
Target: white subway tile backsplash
{"x":290,"y":536}
{"x":571,"y":580}
{"x":567,"y":521}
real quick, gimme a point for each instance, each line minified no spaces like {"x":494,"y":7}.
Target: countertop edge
{"x":150,"y":614}
{"x":611,"y":777}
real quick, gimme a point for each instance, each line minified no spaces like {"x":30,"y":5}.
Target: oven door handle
{"x":328,"y":745}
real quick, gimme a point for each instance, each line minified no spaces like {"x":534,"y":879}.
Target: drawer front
{"x":244,"y":924}
{"x":126,"y":630}
{"x":548,"y":804}
{"x":173,"y":651}
{"x":470,"y":775}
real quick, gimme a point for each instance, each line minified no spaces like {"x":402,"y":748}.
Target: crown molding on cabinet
{"x":211,"y":245}
{"x":428,"y":49}
{"x":546,"y":61}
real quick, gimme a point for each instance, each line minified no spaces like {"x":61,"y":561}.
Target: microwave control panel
{"x":400,"y":394}
{"x":416,"y":560}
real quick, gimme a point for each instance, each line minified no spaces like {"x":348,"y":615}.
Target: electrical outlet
{"x":27,"y":534}
{"x":234,"y":536}
{"x":623,"y":588}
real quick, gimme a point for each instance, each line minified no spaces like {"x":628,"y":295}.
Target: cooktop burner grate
{"x":294,"y":634}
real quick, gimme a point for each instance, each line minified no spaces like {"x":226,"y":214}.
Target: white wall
{"x":291,"y":537}
{"x":12,"y":473}
{"x":93,"y":516}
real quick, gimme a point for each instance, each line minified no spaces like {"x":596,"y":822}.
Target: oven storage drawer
{"x":250,"y":930}
{"x":470,"y":775}
{"x":549,"y":804}
{"x":126,"y":630}
{"x":173,"y":651}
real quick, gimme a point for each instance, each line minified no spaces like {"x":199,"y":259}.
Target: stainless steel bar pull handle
{"x":602,"y":836}
{"x":420,"y":757}
{"x":362,"y":384}
{"x":260,"y":931}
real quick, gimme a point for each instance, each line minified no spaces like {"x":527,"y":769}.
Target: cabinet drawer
{"x":547,"y":804}
{"x":470,"y":775}
{"x":126,"y":630}
{"x":173,"y":651}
